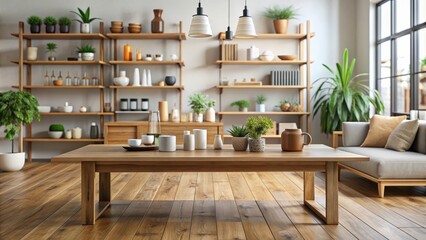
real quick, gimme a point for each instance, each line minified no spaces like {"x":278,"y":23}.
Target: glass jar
{"x":68,"y":80}
{"x":124,"y":104}
{"x":144,"y":104}
{"x":154,"y":127}
{"x":95,"y":81}
{"x":133,"y":104}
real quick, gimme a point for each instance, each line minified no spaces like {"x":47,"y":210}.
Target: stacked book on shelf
{"x":229,"y":52}
{"x":285,"y":78}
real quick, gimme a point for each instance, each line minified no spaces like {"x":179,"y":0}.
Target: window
{"x":401,"y":55}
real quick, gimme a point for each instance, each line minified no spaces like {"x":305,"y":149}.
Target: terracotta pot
{"x":256,"y":144}
{"x":281,"y":25}
{"x":292,"y":140}
{"x":240,"y":143}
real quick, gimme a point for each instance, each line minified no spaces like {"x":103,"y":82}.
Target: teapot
{"x":292,"y":140}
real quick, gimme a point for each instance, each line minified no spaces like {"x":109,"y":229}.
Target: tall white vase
{"x":149,"y":81}
{"x":136,"y":78}
{"x":144,"y":79}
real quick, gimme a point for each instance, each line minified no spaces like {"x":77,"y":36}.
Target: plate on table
{"x":141,"y":148}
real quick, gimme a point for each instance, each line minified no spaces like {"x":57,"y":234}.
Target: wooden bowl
{"x":134,"y":29}
{"x":116,"y":23}
{"x":58,"y":82}
{"x":287,"y":57}
{"x":116,"y":29}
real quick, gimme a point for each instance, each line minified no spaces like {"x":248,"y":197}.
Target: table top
{"x":272,"y":153}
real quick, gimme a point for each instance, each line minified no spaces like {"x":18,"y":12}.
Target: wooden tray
{"x":141,"y":148}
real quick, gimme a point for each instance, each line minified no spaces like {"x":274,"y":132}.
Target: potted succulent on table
{"x":56,"y":130}
{"x":50,"y":23}
{"x":198,"y":103}
{"x":260,"y":103}
{"x":239,"y":138}
{"x":35,"y":24}
{"x":256,"y":127}
{"x":16,"y":109}
{"x":64,"y":24}
{"x":50,"y":48}
{"x":210,"y":112}
{"x":85,"y":20}
{"x":281,"y":17}
{"x":242,"y":105}
{"x":87,"y":52}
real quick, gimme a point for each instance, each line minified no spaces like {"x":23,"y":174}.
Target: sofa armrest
{"x":354,"y":133}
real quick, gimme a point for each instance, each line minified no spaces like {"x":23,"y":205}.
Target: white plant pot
{"x":55,"y":134}
{"x":12,"y":161}
{"x":210,"y":115}
{"x":85,"y":28}
{"x":260,"y":108}
{"x":88,"y":56}
{"x":199,"y":117}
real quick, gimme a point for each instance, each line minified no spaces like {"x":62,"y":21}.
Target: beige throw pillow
{"x":402,"y":137}
{"x":380,"y":129}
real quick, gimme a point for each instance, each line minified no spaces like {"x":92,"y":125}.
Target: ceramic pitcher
{"x":292,"y":140}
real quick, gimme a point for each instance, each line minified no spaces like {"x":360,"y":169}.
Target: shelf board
{"x":132,"y":112}
{"x":261,"y":87}
{"x":59,"y":87}
{"x":164,"y":36}
{"x":100,"y":140}
{"x":59,"y":36}
{"x":77,"y":114}
{"x":263,"y":113}
{"x":272,"y":36}
{"x":264,"y":136}
{"x":258,"y":62}
{"x":61,"y":62}
{"x":149,"y":87}
{"x":179,"y":63}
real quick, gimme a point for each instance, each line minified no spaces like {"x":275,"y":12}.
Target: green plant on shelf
{"x":260,"y":99}
{"x":198,"y":103}
{"x":281,"y":12}
{"x":49,"y":20}
{"x":86,"y":49}
{"x":51,"y":47}
{"x":237,"y":131}
{"x":241,"y":104}
{"x":65,"y":21}
{"x":258,"y":126}
{"x":34,"y":20}
{"x":56,"y":127}
{"x":84,"y":16}
{"x":211,"y":103}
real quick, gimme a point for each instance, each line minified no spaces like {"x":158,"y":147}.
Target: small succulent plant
{"x":237,"y":131}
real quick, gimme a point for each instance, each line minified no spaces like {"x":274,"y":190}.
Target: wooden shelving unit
{"x":26,"y":84}
{"x":116,"y":62}
{"x":303,"y":63}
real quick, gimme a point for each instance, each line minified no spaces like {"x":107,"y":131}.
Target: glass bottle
{"x":76,"y":81}
{"x":154,"y":127}
{"x":85,"y":80}
{"x":95,"y":81}
{"x":68,"y":80}
{"x":46,"y":81}
{"x":94,"y":131}
{"x":52,"y":78}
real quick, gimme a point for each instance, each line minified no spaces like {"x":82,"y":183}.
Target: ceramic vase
{"x":200,"y":139}
{"x":260,"y":107}
{"x":157,"y":24}
{"x":252,"y":53}
{"x":144,"y":78}
{"x":85,"y":28}
{"x":218,"y":143}
{"x":148,"y":78}
{"x":163,"y":107}
{"x":210,"y":115}
{"x":198,"y":117}
{"x":136,"y":78}
{"x":122,"y":80}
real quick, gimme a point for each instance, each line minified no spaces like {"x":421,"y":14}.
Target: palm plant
{"x":341,"y":97}
{"x":84,"y":16}
{"x":281,"y":13}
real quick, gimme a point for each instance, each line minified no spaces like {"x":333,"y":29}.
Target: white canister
{"x":167,"y":143}
{"x":76,"y":133}
{"x":68,"y":134}
{"x":188,"y":142}
{"x":200,"y":139}
{"x":252,"y":53}
{"x":31,"y":53}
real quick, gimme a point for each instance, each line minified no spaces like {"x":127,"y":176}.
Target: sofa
{"x":386,"y":167}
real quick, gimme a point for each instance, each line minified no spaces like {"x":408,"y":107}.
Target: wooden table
{"x":113,"y":158}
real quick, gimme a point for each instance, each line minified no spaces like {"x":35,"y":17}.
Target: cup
{"x":200,"y":139}
{"x":134,"y":142}
{"x":188,"y":142}
{"x":31,"y":53}
{"x":167,"y":143}
{"x":76,"y":133}
{"x":68,"y":134}
{"x":147,"y":140}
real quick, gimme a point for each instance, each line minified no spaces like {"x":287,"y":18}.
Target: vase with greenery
{"x":198,"y":103}
{"x":16,"y":109}
{"x":85,"y":20}
{"x":239,"y":137}
{"x":210,"y":112}
{"x":50,"y":49}
{"x":423,"y":64}
{"x":281,"y":17}
{"x":87,"y":52}
{"x":256,"y":127}
{"x":260,"y":103}
{"x":343,"y":98}
{"x":50,"y":23}
{"x":64,"y":24}
{"x":242,"y":105}
{"x":35,"y":23}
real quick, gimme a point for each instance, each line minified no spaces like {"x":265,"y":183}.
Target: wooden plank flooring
{"x":43,"y":202}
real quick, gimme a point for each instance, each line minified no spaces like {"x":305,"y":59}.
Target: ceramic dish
{"x":44,"y":109}
{"x":287,"y":57}
{"x":141,"y":148}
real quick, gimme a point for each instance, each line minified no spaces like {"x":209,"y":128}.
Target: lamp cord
{"x":229,"y":13}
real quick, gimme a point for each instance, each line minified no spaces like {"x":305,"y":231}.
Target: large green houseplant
{"x":342,"y":97}
{"x":16,"y":109}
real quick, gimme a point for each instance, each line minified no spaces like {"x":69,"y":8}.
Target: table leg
{"x":88,"y":193}
{"x":308,"y":186}
{"x":104,"y":187}
{"x":331,"y":193}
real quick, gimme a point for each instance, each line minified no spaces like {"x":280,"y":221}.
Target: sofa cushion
{"x":402,"y":137}
{"x":385,"y":163}
{"x":419,"y":144}
{"x":354,"y":133}
{"x":380,"y":129}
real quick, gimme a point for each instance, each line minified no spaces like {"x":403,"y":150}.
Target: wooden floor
{"x":43,"y":202}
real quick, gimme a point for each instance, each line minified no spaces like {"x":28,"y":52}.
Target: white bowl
{"x":148,"y":59}
{"x":55,"y":134}
{"x":44,"y":109}
{"x":134,"y":142}
{"x":121,"y":81}
{"x":147,"y":139}
{"x":267,"y":57}
{"x":67,"y":109}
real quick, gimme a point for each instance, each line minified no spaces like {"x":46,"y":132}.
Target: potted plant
{"x":284,"y":105}
{"x":35,"y":23}
{"x":281,"y":17}
{"x":343,"y":98}
{"x":295,"y":107}
{"x":256,"y":127}
{"x":50,"y":23}
{"x":64,"y":24}
{"x":210,"y":112}
{"x":423,"y":65}
{"x":242,"y":105}
{"x":84,"y":20}
{"x":56,"y":130}
{"x":198,"y":103}
{"x":260,"y":103}
{"x":239,"y":138}
{"x":50,"y":48}
{"x":87,"y":52}
{"x":16,"y":109}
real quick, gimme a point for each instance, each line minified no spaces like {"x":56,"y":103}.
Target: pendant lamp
{"x":245,"y":27}
{"x":200,"y":25}
{"x":228,"y":33}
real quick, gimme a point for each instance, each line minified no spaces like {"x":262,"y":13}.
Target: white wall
{"x":333,"y":21}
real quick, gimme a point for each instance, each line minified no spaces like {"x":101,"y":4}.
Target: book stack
{"x":285,"y":78}
{"x":229,"y":52}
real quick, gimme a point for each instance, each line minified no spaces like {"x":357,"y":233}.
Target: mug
{"x":292,"y":140}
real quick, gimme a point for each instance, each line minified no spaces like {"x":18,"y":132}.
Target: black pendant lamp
{"x":228,"y":33}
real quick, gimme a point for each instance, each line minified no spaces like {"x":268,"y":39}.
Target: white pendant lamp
{"x":200,"y":25}
{"x":245,"y":27}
